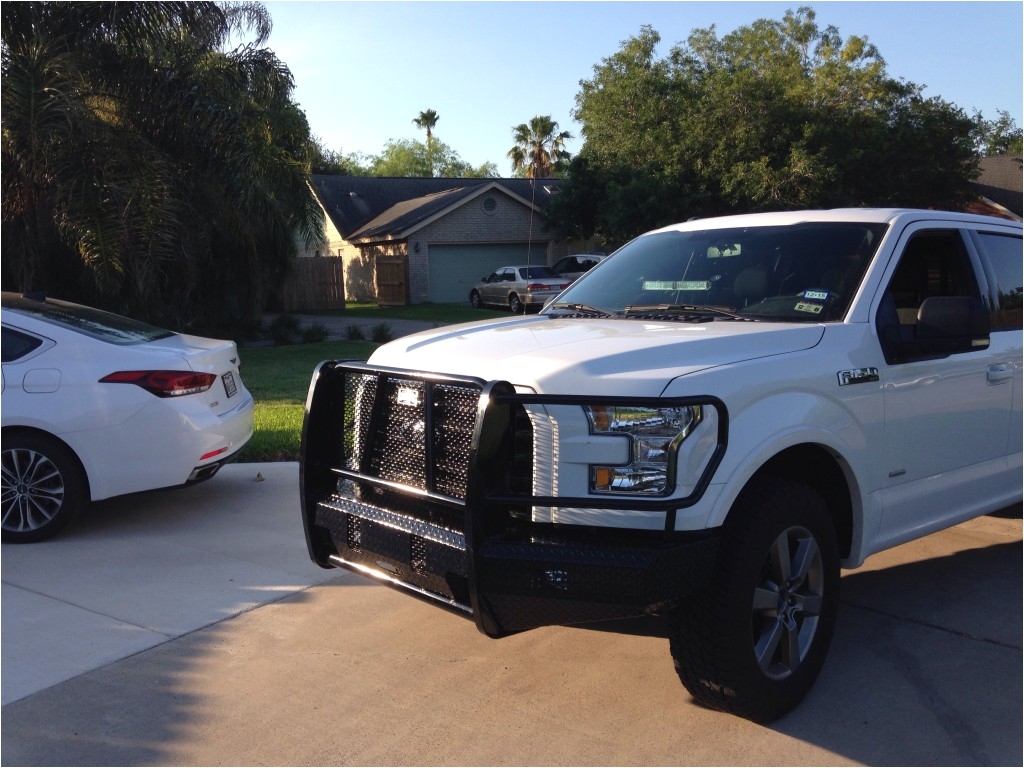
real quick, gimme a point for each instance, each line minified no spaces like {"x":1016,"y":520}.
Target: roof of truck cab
{"x":849,"y":215}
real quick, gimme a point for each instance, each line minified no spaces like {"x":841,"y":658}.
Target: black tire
{"x":754,"y":642}
{"x":515,"y":305}
{"x":474,"y":299}
{"x":43,"y":487}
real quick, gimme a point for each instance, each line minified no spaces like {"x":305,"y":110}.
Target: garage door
{"x":455,"y":269}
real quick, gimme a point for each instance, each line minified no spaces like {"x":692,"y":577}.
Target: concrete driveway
{"x":188,"y":627}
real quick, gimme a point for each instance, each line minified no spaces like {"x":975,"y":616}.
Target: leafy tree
{"x":146,"y":169}
{"x":406,"y":157}
{"x":776,"y":115}
{"x":539,"y":151}
{"x":1001,"y":136}
{"x":427,"y":120}
{"x":329,"y":162}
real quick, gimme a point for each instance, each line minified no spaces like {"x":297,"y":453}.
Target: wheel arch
{"x":818,"y":467}
{"x":12,"y":432}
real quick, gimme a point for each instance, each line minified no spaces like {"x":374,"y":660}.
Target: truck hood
{"x":554,"y":355}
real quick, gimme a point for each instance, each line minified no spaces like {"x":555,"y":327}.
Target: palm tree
{"x":427,"y":120}
{"x":146,"y":169}
{"x":539,"y":148}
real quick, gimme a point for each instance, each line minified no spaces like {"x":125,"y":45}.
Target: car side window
{"x":14,"y":345}
{"x":933,"y":264}
{"x":1005,"y":257}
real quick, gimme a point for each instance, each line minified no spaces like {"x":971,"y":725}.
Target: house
{"x":1000,"y":187}
{"x":417,"y":240}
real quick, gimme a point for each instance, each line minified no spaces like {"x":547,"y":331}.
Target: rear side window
{"x":95,"y":323}
{"x":14,"y":345}
{"x":1005,"y":255}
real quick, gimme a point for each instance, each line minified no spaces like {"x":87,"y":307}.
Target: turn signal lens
{"x":164,"y":383}
{"x":654,"y":434}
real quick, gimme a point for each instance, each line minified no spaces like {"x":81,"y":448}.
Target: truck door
{"x":946,"y":410}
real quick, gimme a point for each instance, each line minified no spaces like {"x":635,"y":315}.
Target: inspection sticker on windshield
{"x":816,"y":295}
{"x":813,"y":309}
{"x":676,"y":285}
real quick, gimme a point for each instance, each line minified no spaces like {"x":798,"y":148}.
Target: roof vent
{"x":490,"y":205}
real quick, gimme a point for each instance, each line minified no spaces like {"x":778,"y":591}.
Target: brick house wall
{"x":473,"y":224}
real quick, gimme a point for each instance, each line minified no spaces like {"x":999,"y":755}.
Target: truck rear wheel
{"x":754,"y":642}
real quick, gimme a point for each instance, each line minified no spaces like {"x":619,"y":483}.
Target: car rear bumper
{"x":538,"y":299}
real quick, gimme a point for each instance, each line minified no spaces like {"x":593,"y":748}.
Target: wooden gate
{"x":314,"y":284}
{"x":392,"y":284}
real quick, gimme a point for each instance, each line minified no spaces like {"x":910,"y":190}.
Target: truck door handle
{"x":998,"y":373}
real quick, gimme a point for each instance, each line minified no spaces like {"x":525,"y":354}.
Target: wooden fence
{"x":314,"y":284}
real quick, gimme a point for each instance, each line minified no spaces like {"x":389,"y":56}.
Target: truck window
{"x":1005,"y":256}
{"x":934,"y":263}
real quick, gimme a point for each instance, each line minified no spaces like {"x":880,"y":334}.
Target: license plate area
{"x":230,"y":388}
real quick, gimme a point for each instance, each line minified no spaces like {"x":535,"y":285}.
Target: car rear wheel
{"x":754,"y":642}
{"x":516,"y":305}
{"x":474,"y":299}
{"x":43,"y":487}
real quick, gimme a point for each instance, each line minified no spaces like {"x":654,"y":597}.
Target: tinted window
{"x":14,"y":345}
{"x":1006,"y":258}
{"x":96,"y":323}
{"x":535,"y":273}
{"x":934,"y":264}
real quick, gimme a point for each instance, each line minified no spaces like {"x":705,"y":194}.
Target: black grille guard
{"x":322,"y":471}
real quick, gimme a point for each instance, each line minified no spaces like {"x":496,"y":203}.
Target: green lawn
{"x":279,"y":377}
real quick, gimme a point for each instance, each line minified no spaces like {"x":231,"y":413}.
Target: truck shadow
{"x":925,"y":666}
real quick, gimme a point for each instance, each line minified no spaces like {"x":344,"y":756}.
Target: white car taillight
{"x":164,"y":383}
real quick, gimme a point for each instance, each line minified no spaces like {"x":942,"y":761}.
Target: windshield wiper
{"x":683,"y":309}
{"x":581,"y":309}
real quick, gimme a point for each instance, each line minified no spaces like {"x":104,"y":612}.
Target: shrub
{"x":284,"y":329}
{"x":315,"y":333}
{"x":381,"y":333}
{"x":354,"y":333}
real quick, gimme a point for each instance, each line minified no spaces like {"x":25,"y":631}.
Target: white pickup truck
{"x":708,"y":425}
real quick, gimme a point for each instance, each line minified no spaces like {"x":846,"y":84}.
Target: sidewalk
{"x":338,"y":327}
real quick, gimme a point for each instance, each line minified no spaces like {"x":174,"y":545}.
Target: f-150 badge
{"x":858,"y":376}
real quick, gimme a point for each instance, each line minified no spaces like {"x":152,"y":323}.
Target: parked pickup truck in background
{"x":707,"y":425}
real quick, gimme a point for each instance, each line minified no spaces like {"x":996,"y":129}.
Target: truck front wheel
{"x":754,"y":642}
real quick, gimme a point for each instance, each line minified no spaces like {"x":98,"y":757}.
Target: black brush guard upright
{"x":424,"y":482}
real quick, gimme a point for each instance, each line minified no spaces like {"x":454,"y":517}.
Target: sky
{"x":365,"y":70}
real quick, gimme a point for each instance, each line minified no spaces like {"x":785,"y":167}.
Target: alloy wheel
{"x":32,"y":490}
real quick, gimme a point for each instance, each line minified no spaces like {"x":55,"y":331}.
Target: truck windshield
{"x":798,"y":273}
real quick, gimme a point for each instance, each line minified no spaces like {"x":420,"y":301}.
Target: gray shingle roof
{"x":371,"y":206}
{"x":1001,"y":180}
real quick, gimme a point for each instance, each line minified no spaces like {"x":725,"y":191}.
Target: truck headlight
{"x":654,"y":434}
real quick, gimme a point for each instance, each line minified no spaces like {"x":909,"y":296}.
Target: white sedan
{"x":97,"y":405}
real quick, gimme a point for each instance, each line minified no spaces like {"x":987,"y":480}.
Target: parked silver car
{"x":519,"y":288}
{"x":572,"y":267}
